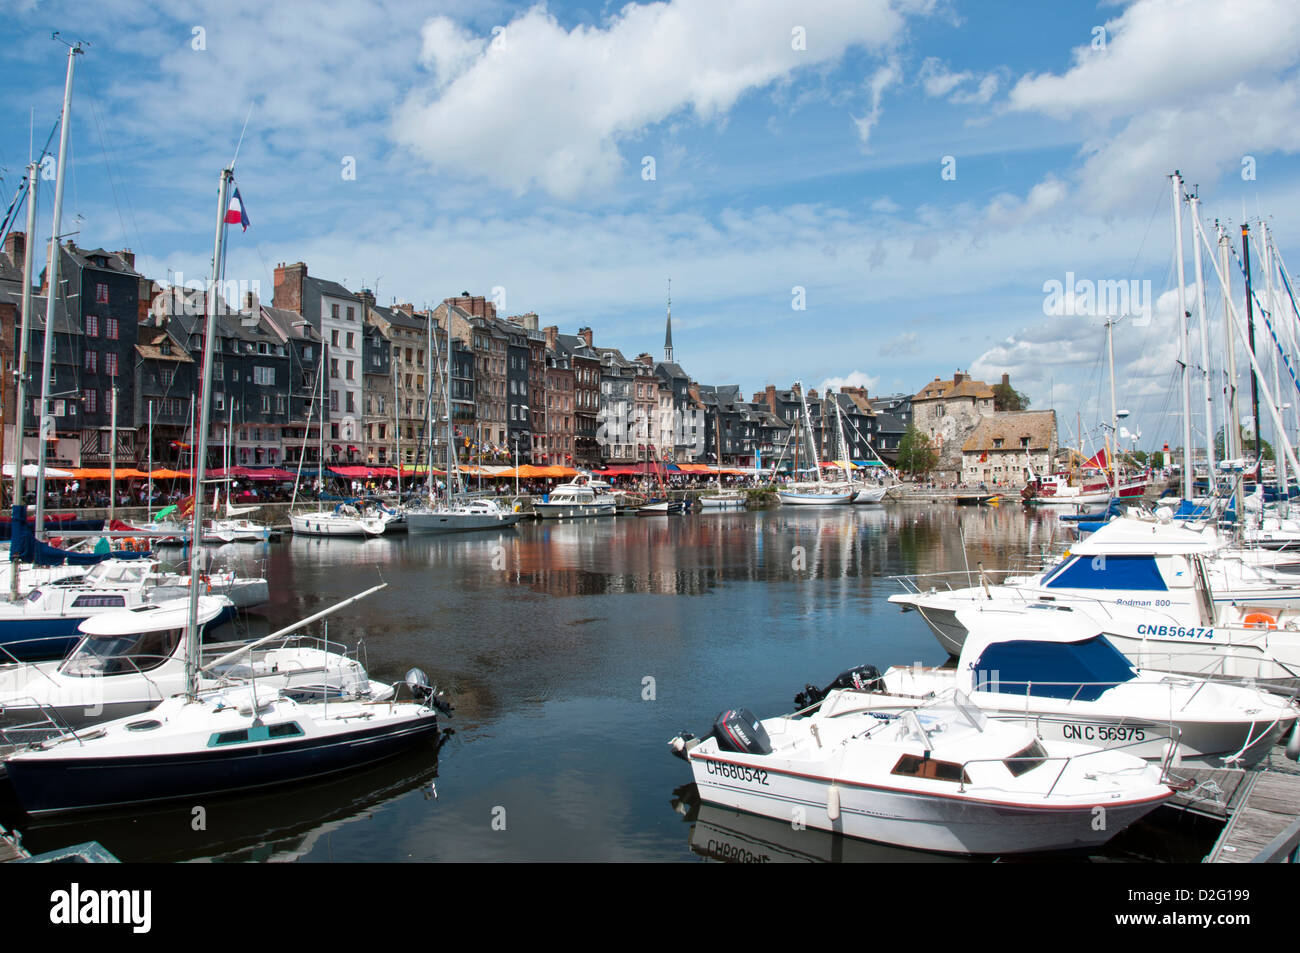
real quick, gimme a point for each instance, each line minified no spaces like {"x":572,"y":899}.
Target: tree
{"x":1245,"y":440}
{"x":915,"y":455}
{"x":1006,"y":397}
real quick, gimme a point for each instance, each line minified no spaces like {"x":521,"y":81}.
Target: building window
{"x":92,"y":325}
{"x":110,"y":363}
{"x":351,"y":336}
{"x":334,"y":313}
{"x":110,"y":328}
{"x":90,"y":400}
{"x":92,"y":361}
{"x":352,"y":405}
{"x":101,"y":294}
{"x":166,"y":375}
{"x":264,"y":375}
{"x":352,"y":316}
{"x":334,"y":401}
{"x":266,"y":403}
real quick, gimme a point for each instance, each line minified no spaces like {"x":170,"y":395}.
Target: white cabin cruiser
{"x":942,"y":778}
{"x":346,"y":519}
{"x":1133,"y":571}
{"x":580,"y":498}
{"x":1051,"y":670}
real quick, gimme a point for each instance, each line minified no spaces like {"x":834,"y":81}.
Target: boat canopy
{"x":1078,"y":670}
{"x":1138,"y":573}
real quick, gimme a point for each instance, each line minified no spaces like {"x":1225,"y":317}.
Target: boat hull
{"x":573,"y":511}
{"x":951,"y":825}
{"x":814,"y":499}
{"x":327,"y":524}
{"x":441,"y":523}
{"x":64,"y":785}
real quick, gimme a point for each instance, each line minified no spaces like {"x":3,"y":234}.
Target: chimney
{"x":585,"y":334}
{"x":1006,"y":379}
{"x":769,"y":397}
{"x":552,"y":336}
{"x":128,"y":258}
{"x":645,"y":359}
{"x":251,"y":302}
{"x":405,"y":307}
{"x":16,"y":248}
{"x":288,"y":286}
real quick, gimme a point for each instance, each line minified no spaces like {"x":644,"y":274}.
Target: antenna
{"x":241,"y":137}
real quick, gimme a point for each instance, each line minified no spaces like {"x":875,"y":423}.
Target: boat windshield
{"x":1080,"y":670}
{"x":98,"y":655}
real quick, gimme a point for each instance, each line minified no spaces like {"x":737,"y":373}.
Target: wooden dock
{"x":9,"y":849}
{"x":1260,"y":807}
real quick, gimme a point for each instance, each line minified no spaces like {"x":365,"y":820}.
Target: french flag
{"x":235,"y":215}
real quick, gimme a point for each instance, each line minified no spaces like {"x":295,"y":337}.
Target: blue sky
{"x":502,"y":146}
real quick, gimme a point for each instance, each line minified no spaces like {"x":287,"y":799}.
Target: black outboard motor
{"x":862,"y":678}
{"x":425,"y":693}
{"x":737,"y":729}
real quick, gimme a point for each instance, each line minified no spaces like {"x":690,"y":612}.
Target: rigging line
{"x":1264,"y":313}
{"x":93,"y":98}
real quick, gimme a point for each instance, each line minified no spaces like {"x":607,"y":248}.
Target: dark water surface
{"x":573,"y":652}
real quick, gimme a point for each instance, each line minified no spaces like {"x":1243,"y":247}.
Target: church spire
{"x":668,"y":334}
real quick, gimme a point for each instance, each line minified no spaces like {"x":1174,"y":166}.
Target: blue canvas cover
{"x":25,"y":547}
{"x":1082,"y":670}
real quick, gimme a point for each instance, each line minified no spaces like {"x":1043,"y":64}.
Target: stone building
{"x":1003,"y":445}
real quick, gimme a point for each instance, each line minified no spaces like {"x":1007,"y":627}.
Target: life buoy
{"x":1260,"y":620}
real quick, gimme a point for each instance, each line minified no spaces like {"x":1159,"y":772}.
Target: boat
{"x":129,"y":660}
{"x":723,"y":499}
{"x":579,"y":498}
{"x":940,"y":777}
{"x":664,"y":508}
{"x":1136,"y":576}
{"x":457,"y":512}
{"x":351,"y":518}
{"x":1056,"y":673}
{"x":243,"y":738}
{"x":198,"y":743}
{"x":818,"y":493}
{"x":464,"y":515}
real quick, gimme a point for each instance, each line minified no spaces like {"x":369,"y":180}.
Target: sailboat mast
{"x":1276,"y":350}
{"x":1250,"y":335}
{"x":20,"y":390}
{"x":192,"y":659}
{"x":1202,"y":316}
{"x":47,"y":369}
{"x":446,"y":386}
{"x":1184,"y":356}
{"x":1114,"y":413}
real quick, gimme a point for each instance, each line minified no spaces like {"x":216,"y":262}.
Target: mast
{"x":447,"y":400}
{"x":1184,"y":357}
{"x":192,"y":659}
{"x":1250,"y":332}
{"x":47,"y":369}
{"x":1231,"y":427}
{"x":1203,"y":317}
{"x":148,"y":503}
{"x":112,"y":460}
{"x":1276,"y":351}
{"x":1114,"y":413}
{"x":20,"y":394}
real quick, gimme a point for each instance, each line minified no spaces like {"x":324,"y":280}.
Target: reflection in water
{"x":545,"y":635}
{"x":734,"y":837}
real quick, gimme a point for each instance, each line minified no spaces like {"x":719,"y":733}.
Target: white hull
{"x":573,"y":511}
{"x":332,"y":524}
{"x":429,"y":523}
{"x":871,"y":494}
{"x":814,"y":499}
{"x":722,"y":502}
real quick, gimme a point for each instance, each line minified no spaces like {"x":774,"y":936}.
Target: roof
{"x":62,"y":323}
{"x":1011,"y":427}
{"x":949,"y":390}
{"x":113,"y":261}
{"x":151,"y":338}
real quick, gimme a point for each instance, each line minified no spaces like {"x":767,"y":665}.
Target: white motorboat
{"x":1129,"y":569}
{"x":235,"y":531}
{"x":942,"y":778}
{"x":461,"y":516}
{"x":1055,"y":673}
{"x":580,"y":498}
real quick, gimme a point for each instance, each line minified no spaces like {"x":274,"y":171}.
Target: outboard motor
{"x":737,"y":729}
{"x":425,"y":693}
{"x":862,"y":678}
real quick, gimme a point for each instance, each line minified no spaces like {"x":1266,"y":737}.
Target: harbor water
{"x":573,"y":652}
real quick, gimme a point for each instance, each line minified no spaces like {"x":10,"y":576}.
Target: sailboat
{"x":819,"y":493}
{"x":198,"y":743}
{"x":457,"y":512}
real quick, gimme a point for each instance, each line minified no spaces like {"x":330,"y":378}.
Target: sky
{"x":870,"y":192}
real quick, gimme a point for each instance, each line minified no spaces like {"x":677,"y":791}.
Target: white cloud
{"x":1007,"y":209}
{"x":1190,"y":84}
{"x":448,"y":49}
{"x":881,"y":80}
{"x":852,"y":379}
{"x":938,"y":81}
{"x":544,"y":106}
